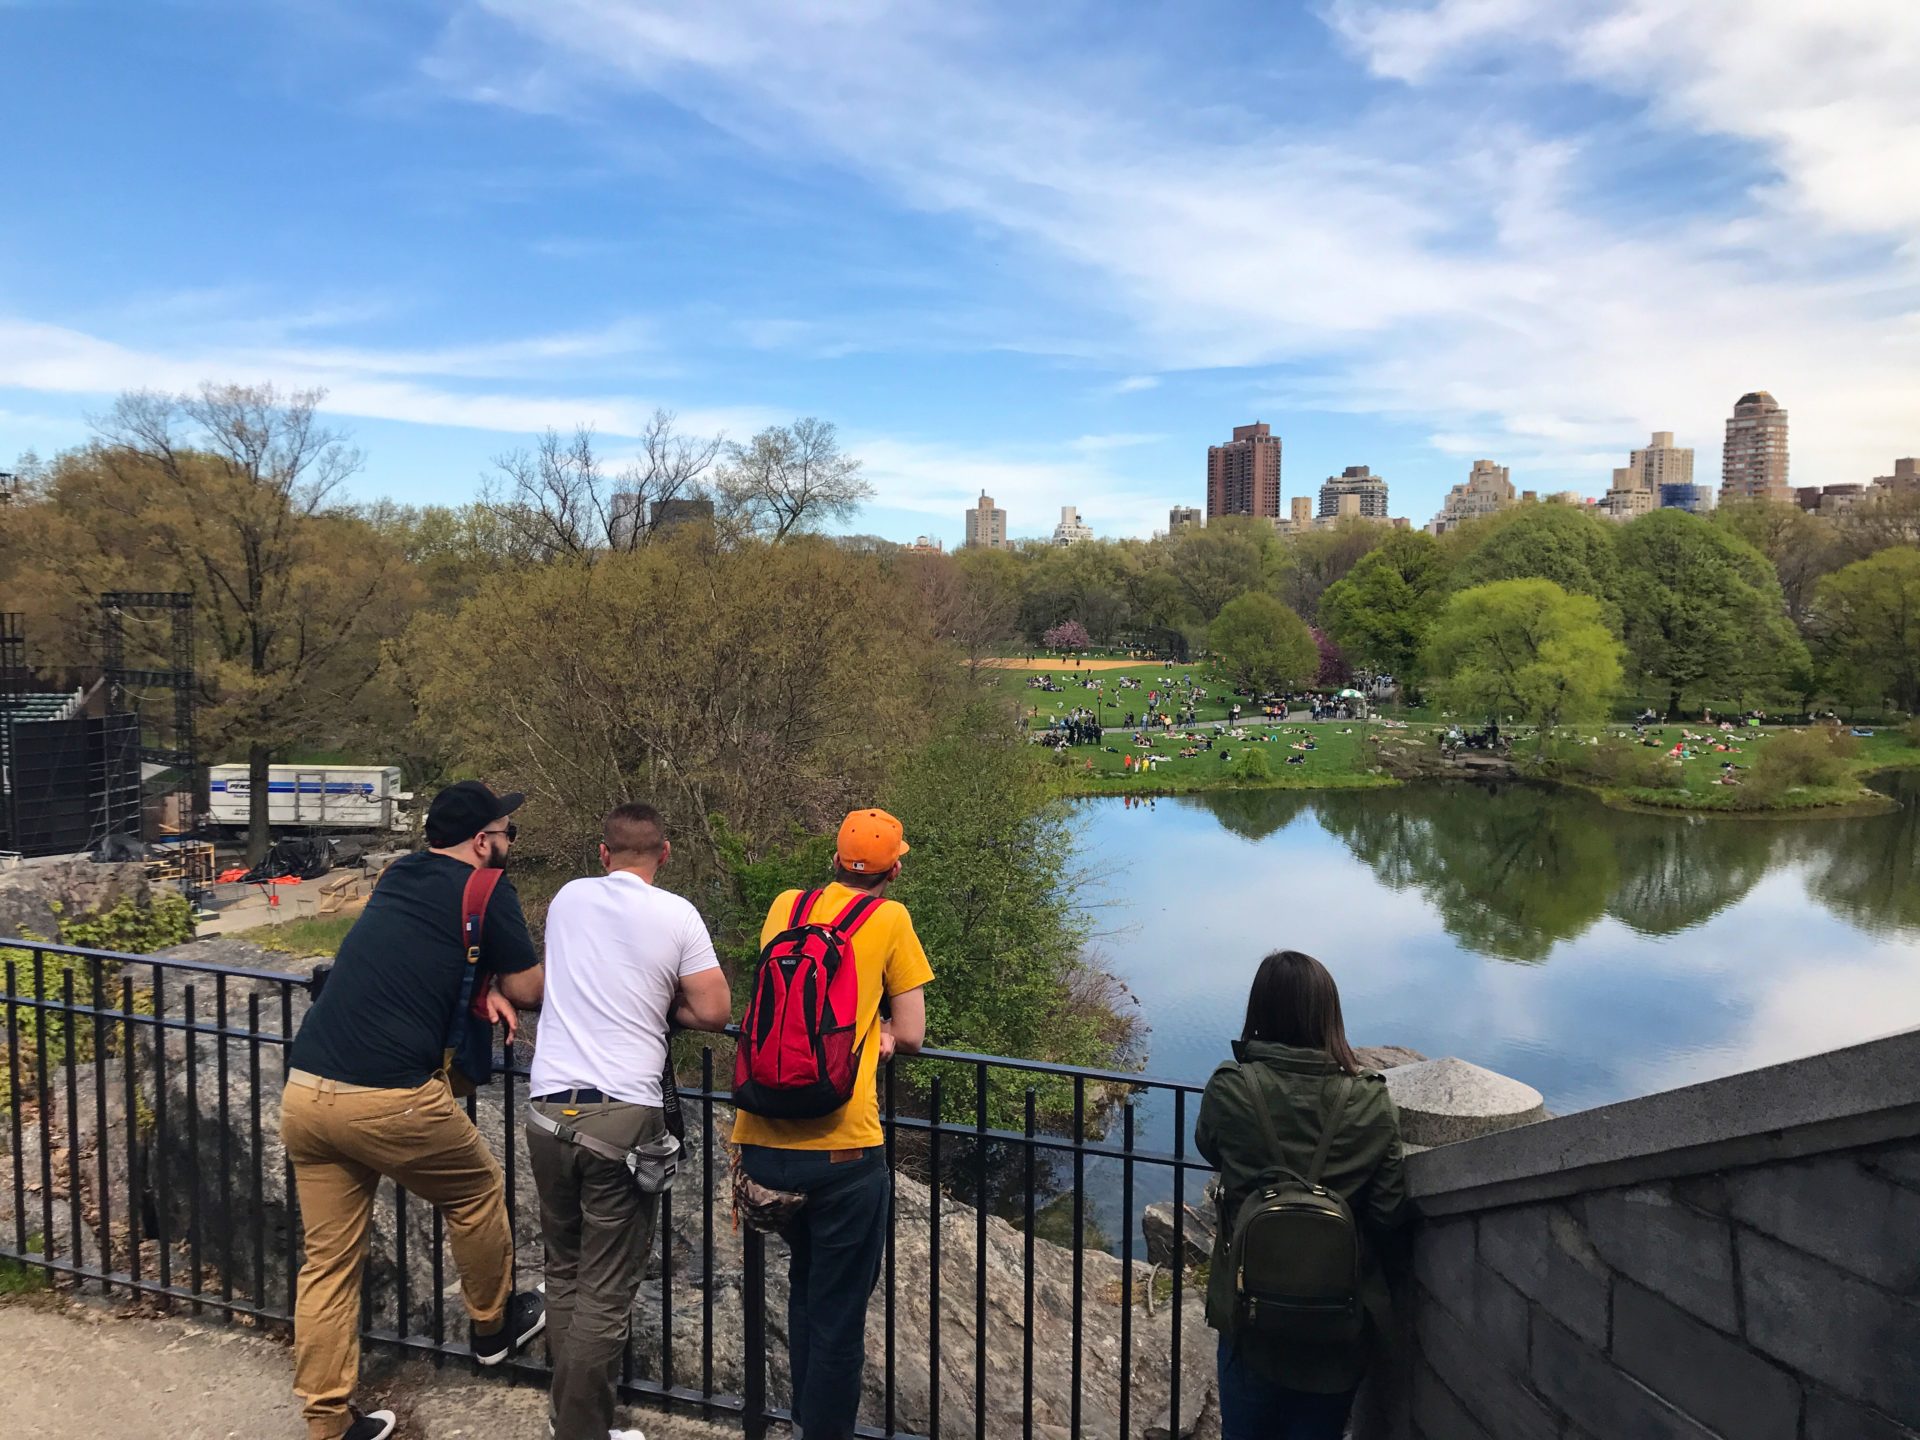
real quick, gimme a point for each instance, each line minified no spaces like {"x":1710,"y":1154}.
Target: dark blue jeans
{"x":837,"y":1241}
{"x":1254,"y":1408}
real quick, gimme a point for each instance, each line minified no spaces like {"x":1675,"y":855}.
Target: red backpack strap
{"x":802,"y":903}
{"x":473,"y":909}
{"x":858,"y":911}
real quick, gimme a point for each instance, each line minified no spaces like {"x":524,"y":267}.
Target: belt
{"x":573,"y":1097}
{"x":320,"y":1082}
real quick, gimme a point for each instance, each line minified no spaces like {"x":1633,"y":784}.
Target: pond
{"x":1594,"y":953}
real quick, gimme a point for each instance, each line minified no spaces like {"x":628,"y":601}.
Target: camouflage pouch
{"x":765,"y":1209}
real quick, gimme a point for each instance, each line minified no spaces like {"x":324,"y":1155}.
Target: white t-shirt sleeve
{"x":696,"y":946}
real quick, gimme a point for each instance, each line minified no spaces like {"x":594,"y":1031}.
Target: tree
{"x":790,"y":479}
{"x":558,"y":499}
{"x":1303,"y":567}
{"x":1261,"y":645}
{"x":1570,"y":547}
{"x":225,"y":492}
{"x":1333,"y":668}
{"x":1525,"y":648}
{"x":1067,"y":635}
{"x":1701,"y":607}
{"x":1867,"y":624}
{"x":1383,"y":610}
{"x":1211,"y":564}
{"x":1800,"y":545}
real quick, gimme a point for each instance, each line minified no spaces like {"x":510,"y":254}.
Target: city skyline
{"x":998,"y":254}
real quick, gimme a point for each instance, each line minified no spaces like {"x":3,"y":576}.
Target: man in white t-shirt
{"x":624,"y":961}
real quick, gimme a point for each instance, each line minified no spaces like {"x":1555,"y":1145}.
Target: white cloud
{"x":940,"y":480}
{"x":1439,"y":262}
{"x":366,"y":382}
{"x":1134,"y":384}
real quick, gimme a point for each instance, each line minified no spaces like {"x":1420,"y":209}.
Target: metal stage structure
{"x":125,"y":682}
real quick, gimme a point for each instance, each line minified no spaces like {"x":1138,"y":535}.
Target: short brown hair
{"x":859,"y":879}
{"x":634,"y":829}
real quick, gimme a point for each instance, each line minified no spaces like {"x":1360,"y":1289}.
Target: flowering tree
{"x":1334,"y":669}
{"x":1067,"y":635}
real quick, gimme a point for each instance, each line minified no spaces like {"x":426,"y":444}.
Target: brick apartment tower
{"x":1753,"y":465}
{"x":1243,"y":476}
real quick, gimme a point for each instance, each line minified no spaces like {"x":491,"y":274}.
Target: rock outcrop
{"x":35,"y":895}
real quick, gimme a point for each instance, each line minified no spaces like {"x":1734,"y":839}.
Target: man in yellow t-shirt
{"x":839,"y":1161}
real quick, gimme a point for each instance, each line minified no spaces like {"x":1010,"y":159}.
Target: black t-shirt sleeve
{"x":506,"y":947}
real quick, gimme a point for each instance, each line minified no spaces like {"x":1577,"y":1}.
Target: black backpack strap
{"x":1263,"y":1112}
{"x":802,"y":904}
{"x":858,"y":911}
{"x":1328,"y":1125}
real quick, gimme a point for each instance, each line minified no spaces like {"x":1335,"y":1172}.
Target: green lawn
{"x":1699,"y":771}
{"x":1038,"y":707}
{"x":316,"y":935}
{"x":1340,"y":758}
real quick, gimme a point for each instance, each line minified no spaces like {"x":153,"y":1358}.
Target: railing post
{"x":753,"y":1299}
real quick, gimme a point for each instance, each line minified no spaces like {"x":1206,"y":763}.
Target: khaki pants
{"x":598,"y":1228}
{"x":342,"y":1139}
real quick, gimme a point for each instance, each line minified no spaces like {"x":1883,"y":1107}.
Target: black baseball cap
{"x":464,"y":809}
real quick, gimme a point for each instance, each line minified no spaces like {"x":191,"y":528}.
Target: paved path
{"x":80,"y":1372}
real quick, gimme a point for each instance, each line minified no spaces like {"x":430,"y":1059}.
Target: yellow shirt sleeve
{"x":907,"y":967}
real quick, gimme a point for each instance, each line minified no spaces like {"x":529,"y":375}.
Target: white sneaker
{"x":625,"y":1435}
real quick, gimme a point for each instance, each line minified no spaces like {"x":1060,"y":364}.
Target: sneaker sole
{"x":384,"y":1432}
{"x":515,"y":1346}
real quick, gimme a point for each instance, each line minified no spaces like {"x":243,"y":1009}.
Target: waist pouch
{"x":764,"y":1208}
{"x":652,"y":1163}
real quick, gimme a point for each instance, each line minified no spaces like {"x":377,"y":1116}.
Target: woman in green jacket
{"x":1292,"y":1058}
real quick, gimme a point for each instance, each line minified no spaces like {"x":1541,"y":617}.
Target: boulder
{"x":35,"y":895}
{"x":1441,"y":1101}
{"x":1196,"y":1237}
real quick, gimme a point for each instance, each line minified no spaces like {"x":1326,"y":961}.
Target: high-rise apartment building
{"x":1355,"y":491}
{"x":1661,"y":462}
{"x":986,"y":526}
{"x":1181,"y":516}
{"x":1754,"y":464}
{"x":1071,"y":530}
{"x":1905,"y":479}
{"x":1657,"y":476}
{"x":1486,"y":491}
{"x":1243,"y":476}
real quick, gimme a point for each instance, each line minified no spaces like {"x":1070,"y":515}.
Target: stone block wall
{"x":1772,"y":1302}
{"x":1687,"y":1272}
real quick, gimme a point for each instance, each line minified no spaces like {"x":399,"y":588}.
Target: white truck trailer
{"x":312,"y":797}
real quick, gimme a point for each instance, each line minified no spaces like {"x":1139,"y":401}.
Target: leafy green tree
{"x":1525,"y":648}
{"x":1302,"y":568}
{"x":1259,"y":644}
{"x":1383,"y":610}
{"x":1800,"y":545}
{"x":1212,"y":564}
{"x":1867,"y":618}
{"x":1701,"y":607}
{"x":1570,"y":547}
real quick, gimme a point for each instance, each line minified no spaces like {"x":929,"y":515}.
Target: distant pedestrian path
{"x":1048,"y":662}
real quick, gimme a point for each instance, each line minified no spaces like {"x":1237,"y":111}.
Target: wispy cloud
{"x":1134,"y":384}
{"x":1445,"y":263}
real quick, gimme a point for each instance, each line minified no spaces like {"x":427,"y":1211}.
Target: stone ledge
{"x":1861,"y":1095}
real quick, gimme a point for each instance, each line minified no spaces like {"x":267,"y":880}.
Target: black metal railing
{"x":142,"y":1130}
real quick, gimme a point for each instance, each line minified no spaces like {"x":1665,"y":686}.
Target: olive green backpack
{"x":1295,"y":1251}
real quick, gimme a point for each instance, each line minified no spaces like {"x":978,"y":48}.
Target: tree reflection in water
{"x":1514,"y":869}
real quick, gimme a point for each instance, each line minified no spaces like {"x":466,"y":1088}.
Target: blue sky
{"x":1053,"y":251}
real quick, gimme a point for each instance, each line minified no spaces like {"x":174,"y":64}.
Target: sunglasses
{"x":512,"y":832}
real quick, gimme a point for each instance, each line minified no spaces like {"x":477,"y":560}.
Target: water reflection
{"x":1594,"y":953}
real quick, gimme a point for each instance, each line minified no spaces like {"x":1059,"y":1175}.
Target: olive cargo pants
{"x":598,"y":1227}
{"x":342,"y":1139}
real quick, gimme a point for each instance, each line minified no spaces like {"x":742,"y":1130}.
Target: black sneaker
{"x":526,"y":1318}
{"x":370,"y":1425}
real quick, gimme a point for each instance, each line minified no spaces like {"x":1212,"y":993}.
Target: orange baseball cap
{"x":870,"y":841}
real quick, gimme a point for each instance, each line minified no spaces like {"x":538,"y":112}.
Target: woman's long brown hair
{"x":1295,"y":1002}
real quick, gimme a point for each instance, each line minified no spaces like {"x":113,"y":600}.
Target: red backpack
{"x":796,"y":1058}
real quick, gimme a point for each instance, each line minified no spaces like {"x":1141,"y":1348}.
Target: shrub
{"x":1616,"y":762}
{"x":1912,"y":732}
{"x":1805,"y":757}
{"x":1251,"y":764}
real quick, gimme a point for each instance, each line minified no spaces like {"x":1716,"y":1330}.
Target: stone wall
{"x":1738,"y":1260}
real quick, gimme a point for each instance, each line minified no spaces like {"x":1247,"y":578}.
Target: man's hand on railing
{"x":500,"y":1011}
{"x":886,"y":1040}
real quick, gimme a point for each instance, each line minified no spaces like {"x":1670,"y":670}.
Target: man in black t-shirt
{"x":367,"y":1095}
